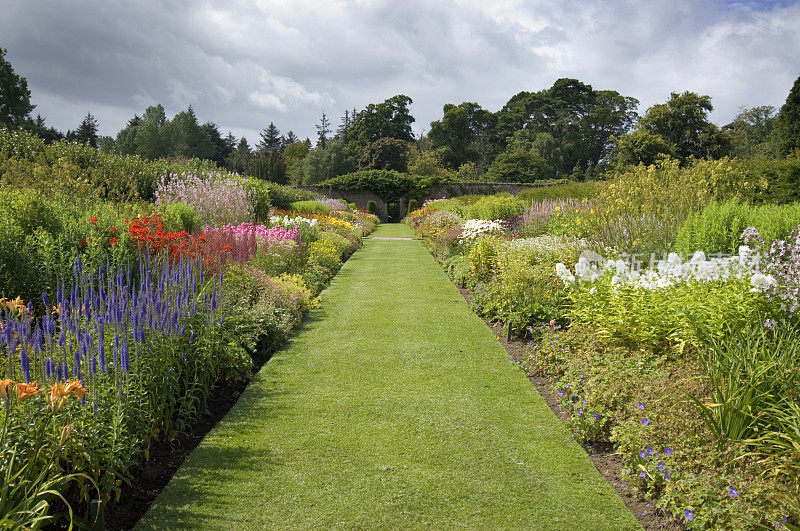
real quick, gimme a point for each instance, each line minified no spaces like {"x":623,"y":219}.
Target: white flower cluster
{"x":289,"y":223}
{"x":477,"y":228}
{"x":672,"y":271}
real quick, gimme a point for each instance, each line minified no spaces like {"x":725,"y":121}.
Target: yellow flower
{"x":557,"y":208}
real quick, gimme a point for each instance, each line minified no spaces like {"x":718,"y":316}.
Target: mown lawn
{"x":395,"y":406}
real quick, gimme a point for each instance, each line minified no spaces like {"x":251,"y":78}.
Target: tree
{"x":385,"y":154}
{"x":270,"y":140}
{"x":323,"y":131}
{"x":344,"y":126}
{"x":641,"y":147}
{"x":15,"y":97}
{"x":325,"y":163}
{"x":289,"y":139}
{"x":751,"y":132}
{"x":294,"y":155}
{"x":683,"y":122}
{"x":238,"y":161}
{"x":788,"y":126}
{"x":464,"y":134}
{"x":517,"y":166}
{"x":126,"y":139}
{"x":579,"y":120}
{"x":269,"y":166}
{"x":87,"y":131}
{"x":187,"y":138}
{"x":152,"y":138}
{"x":106,"y":144}
{"x":221,"y":147}
{"x":390,"y":119}
{"x":38,"y":127}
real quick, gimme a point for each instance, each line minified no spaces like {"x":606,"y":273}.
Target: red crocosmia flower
{"x":112,"y":229}
{"x":112,"y":241}
{"x":226,"y":247}
{"x":82,"y":243}
{"x":93,"y":219}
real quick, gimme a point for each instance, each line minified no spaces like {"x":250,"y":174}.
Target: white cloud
{"x":243,"y":64}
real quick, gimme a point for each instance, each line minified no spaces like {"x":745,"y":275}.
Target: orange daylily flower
{"x":74,"y":388}
{"x":58,"y":395}
{"x":27,"y":390}
{"x":4,"y":388}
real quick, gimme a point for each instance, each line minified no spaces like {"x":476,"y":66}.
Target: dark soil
{"x":167,"y":456}
{"x":604,"y":456}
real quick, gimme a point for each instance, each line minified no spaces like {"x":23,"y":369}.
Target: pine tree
{"x":345,"y":125}
{"x":323,"y":130}
{"x":87,"y":131}
{"x":270,"y":139}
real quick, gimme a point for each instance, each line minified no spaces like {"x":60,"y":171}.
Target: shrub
{"x":575,"y":190}
{"x":372,"y":208}
{"x":388,"y":185}
{"x":310,"y":206}
{"x":281,"y":196}
{"x":413,"y":204}
{"x":495,"y":207}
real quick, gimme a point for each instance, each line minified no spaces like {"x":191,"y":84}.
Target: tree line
{"x":567,"y":130}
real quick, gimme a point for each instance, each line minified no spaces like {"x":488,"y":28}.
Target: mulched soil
{"x":603,"y":455}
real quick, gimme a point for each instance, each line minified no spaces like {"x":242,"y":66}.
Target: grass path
{"x":394,"y":407}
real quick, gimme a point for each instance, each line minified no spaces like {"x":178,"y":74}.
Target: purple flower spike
{"x":646,"y":421}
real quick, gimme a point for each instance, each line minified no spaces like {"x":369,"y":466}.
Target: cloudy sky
{"x":242,"y":64}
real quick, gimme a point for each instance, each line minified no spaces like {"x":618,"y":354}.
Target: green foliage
{"x":324,"y":163}
{"x":413,"y":204}
{"x":372,"y":208}
{"x":500,"y":206}
{"x":178,"y":216}
{"x":390,"y":119}
{"x":718,"y":227}
{"x":788,"y":121}
{"x":387,"y":184}
{"x":385,"y":154}
{"x":259,"y":193}
{"x":282,"y":197}
{"x":560,"y":191}
{"x":15,"y":97}
{"x":465,"y":134}
{"x":518,"y":166}
{"x":682,"y":122}
{"x":641,"y":147}
{"x":752,"y":132}
{"x":310,"y":206}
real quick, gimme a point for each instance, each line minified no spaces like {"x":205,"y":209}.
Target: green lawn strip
{"x":394,"y":406}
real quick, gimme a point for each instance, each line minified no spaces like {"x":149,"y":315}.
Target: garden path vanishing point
{"x":394,"y":407}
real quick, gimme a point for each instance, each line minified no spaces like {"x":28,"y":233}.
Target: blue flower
{"x":733,"y":492}
{"x":646,"y":421}
{"x":641,"y":406}
{"x":561,"y":394}
{"x":689,"y":514}
{"x":668,"y":451}
{"x":642,"y":454}
{"x":660,"y":466}
{"x":596,"y":416}
{"x":580,"y":412}
{"x":650,"y":450}
{"x":666,"y":475}
{"x":643,"y":474}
